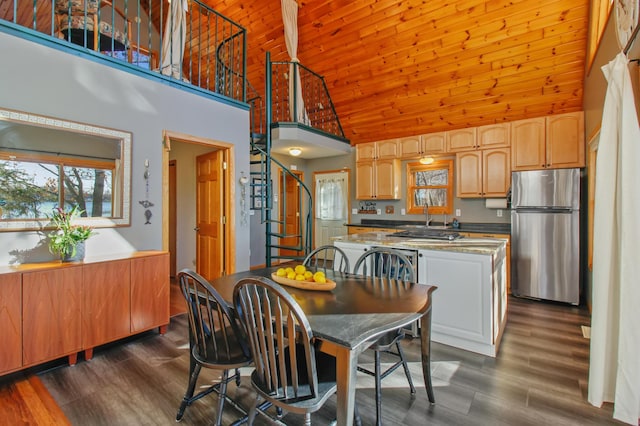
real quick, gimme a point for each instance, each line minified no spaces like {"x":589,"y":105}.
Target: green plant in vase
{"x":64,"y":240}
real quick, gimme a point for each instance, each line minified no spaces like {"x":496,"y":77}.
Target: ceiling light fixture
{"x":426,"y":160}
{"x":295,"y":151}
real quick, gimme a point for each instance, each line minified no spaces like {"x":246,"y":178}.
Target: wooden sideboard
{"x":54,"y":310}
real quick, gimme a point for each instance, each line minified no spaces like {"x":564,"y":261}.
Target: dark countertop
{"x":490,"y":228}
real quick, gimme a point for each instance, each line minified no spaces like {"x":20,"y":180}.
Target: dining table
{"x":347,"y":319}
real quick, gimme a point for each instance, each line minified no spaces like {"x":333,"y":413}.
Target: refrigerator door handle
{"x":543,"y":209}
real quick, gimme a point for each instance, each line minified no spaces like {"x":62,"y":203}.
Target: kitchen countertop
{"x":490,"y":246}
{"x":489,"y":228}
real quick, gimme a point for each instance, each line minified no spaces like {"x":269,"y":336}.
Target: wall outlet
{"x":354,"y":211}
{"x":499,"y":212}
{"x":379,"y":211}
{"x":458,"y":212}
{"x":403,"y":212}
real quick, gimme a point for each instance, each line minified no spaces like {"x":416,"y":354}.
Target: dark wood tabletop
{"x":355,"y":311}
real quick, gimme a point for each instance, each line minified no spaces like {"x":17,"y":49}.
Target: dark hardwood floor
{"x":539,"y":378}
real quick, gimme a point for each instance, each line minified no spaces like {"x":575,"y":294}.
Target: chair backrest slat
{"x":328,"y":257}
{"x":280,"y":338}
{"x":385,"y":263}
{"x":216,"y":336}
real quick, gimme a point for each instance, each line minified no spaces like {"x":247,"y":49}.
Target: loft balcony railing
{"x":301,"y":96}
{"x":196,"y":46}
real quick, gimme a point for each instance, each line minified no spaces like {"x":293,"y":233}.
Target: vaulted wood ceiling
{"x":405,"y":67}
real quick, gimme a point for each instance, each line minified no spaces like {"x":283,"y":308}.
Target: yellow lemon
{"x":300,"y":269}
{"x":319,"y":277}
{"x":289,"y":269}
{"x":291,"y":275}
{"x":308,"y":274}
{"x":281,"y":272}
{"x":299,"y":277}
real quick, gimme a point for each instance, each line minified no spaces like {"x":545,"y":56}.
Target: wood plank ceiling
{"x":406,"y":67}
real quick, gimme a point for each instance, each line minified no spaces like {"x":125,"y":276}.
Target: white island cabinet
{"x":469,"y":306}
{"x":470,"y":302}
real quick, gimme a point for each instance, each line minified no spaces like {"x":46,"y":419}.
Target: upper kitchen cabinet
{"x":565,"y":140}
{"x":483,"y":173}
{"x":552,"y":142}
{"x":377,"y":150}
{"x":493,"y":136}
{"x":378,"y":179}
{"x":417,"y":146}
{"x":461,"y":140}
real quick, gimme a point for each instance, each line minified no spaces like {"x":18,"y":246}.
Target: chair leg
{"x":378,"y":376}
{"x":222,"y":395}
{"x":189,"y":393}
{"x":406,"y":368}
{"x":253,"y":410}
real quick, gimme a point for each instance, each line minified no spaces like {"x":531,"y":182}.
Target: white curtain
{"x":173,"y":39}
{"x":614,"y":369}
{"x":330,"y":199}
{"x":290,"y":20}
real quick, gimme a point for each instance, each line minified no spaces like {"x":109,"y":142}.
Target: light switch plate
{"x":403,"y":212}
{"x":354,"y":211}
{"x":458,"y":212}
{"x":379,"y":211}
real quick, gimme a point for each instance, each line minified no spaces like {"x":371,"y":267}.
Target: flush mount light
{"x":426,"y":160}
{"x":295,"y":151}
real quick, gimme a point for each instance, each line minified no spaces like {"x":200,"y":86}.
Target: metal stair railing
{"x":306,"y":102}
{"x":262,"y":193}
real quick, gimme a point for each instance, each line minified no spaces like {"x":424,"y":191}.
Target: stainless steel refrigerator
{"x":545,"y":234}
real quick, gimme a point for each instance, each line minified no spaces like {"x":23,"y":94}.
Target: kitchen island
{"x":470,"y":304}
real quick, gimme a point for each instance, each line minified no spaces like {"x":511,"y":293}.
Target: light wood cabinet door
{"x":365,"y":180}
{"x":51,"y":314}
{"x":528,"y":144}
{"x":565,"y":145}
{"x":469,"y":174}
{"x":366,"y":151}
{"x":106,"y":312}
{"x":483,"y":174}
{"x":434,"y":143}
{"x":149,"y":292}
{"x":410,"y":147}
{"x":496,"y":172}
{"x":387,"y":179}
{"x":11,"y":322}
{"x":387,"y":149}
{"x":378,"y":180}
{"x":493,"y":136}
{"x":461,"y":140}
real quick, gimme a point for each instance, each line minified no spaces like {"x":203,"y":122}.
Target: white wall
{"x":47,"y":81}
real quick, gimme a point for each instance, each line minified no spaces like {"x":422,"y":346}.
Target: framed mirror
{"x":48,"y":163}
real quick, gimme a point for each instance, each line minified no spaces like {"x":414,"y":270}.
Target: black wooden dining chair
{"x":389,"y":268}
{"x":327,"y":257}
{"x":289,"y":372}
{"x":216,"y":339}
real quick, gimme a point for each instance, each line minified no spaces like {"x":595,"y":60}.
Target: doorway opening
{"x":199,"y":227}
{"x":331,"y":205}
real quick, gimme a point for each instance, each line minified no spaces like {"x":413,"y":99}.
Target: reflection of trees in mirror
{"x":31,"y":189}
{"x":47,"y":162}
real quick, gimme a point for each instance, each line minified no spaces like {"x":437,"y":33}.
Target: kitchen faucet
{"x":426,"y":213}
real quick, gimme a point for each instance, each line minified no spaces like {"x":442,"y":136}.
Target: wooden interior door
{"x":290,"y":211}
{"x":210,"y":220}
